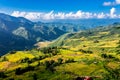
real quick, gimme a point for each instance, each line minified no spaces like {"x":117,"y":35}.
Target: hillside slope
{"x":17,"y":33}
{"x":93,"y":54}
{"x":97,"y":35}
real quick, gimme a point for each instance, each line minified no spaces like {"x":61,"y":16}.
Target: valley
{"x":94,"y":53}
{"x":18,"y":33}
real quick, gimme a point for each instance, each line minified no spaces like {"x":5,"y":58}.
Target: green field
{"x":94,"y":53}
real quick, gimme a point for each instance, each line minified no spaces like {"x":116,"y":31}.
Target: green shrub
{"x":85,"y":51}
{"x":4,"y":58}
{"x":12,"y":52}
{"x":95,"y":41}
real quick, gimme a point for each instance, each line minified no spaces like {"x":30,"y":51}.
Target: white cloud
{"x":116,"y":2}
{"x":107,"y":3}
{"x":36,"y":16}
{"x":112,"y":12}
{"x":101,"y":15}
{"x":51,"y":15}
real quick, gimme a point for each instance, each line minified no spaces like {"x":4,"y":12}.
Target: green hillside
{"x":18,"y":33}
{"x":98,"y":37}
{"x":94,"y":53}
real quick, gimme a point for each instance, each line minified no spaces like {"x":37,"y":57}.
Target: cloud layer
{"x":36,"y":16}
{"x":116,"y":2}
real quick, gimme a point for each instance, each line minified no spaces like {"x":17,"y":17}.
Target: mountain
{"x":67,"y":27}
{"x":86,"y":55}
{"x":76,"y":25}
{"x":14,"y":19}
{"x":99,"y":34}
{"x":87,"y":23}
{"x":18,"y":33}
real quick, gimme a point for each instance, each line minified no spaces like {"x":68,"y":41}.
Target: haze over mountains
{"x":18,"y":33}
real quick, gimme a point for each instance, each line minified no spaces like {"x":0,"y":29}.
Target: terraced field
{"x":89,"y":53}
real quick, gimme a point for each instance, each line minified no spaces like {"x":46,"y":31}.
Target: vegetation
{"x":93,"y":54}
{"x":113,"y":74}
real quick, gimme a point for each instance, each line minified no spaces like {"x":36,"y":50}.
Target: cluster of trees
{"x":70,"y":60}
{"x":50,"y":50}
{"x":107,"y":56}
{"x":51,"y":64}
{"x":19,"y":70}
{"x":12,"y":52}
{"x":2,"y":75}
{"x":28,"y":60}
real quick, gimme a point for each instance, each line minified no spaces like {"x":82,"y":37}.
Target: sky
{"x":36,"y":10}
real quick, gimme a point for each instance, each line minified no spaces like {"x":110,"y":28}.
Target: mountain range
{"x":96,"y":35}
{"x":18,"y":33}
{"x":94,"y":53}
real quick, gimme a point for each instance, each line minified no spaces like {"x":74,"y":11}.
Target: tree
{"x":50,"y":65}
{"x":2,"y":75}
{"x":4,"y":58}
{"x":47,"y":64}
{"x":69,"y":60}
{"x":96,"y":41}
{"x":19,"y":70}
{"x":34,"y":76}
{"x":26,"y":60}
{"x":118,"y":48}
{"x":103,"y":55}
{"x":60,"y":60}
{"x":12,"y":52}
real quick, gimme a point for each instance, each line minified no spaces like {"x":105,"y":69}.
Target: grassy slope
{"x":105,"y":35}
{"x":86,"y":64}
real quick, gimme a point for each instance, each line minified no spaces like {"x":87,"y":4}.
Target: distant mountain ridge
{"x":20,"y":33}
{"x":95,"y":35}
{"x":88,"y":23}
{"x":14,"y":19}
{"x":75,"y":25}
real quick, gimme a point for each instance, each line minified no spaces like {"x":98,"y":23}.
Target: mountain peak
{"x":7,"y":17}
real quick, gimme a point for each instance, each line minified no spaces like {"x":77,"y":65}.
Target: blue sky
{"x":57,"y":5}
{"x":61,"y":9}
